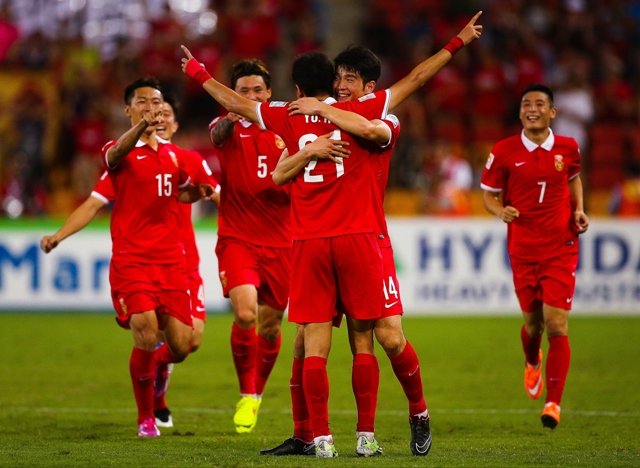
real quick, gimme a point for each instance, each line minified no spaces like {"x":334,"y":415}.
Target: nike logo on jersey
{"x":518,"y":164}
{"x":244,"y":135}
{"x":569,"y":300}
{"x":142,"y":157}
{"x":534,"y":390}
{"x":388,"y":306}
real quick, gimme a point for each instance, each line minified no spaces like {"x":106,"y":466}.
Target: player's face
{"x":253,"y":87}
{"x":168,"y":125}
{"x":144,"y":100}
{"x":536,"y":111}
{"x":349,"y":85}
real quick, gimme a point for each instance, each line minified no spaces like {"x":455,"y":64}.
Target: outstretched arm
{"x":128,"y":139}
{"x":225,"y":96}
{"x":76,"y":221}
{"x":425,"y":70}
{"x":373,"y":130}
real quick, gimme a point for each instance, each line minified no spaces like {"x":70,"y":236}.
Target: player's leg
{"x":144,"y":329}
{"x":365,"y":380}
{"x":269,"y":341}
{"x":315,"y":383}
{"x":244,"y":345}
{"x":558,"y":360}
{"x":301,"y":443}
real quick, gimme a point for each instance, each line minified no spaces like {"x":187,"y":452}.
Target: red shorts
{"x":139,"y":287}
{"x":266,"y":268}
{"x":344,"y":270}
{"x":550,"y":282}
{"x":196,"y":290}
{"x":391,"y":304}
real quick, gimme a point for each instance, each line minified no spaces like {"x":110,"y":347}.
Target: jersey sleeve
{"x":394,"y":125}
{"x":105,"y":148}
{"x":199,"y":170}
{"x":493,"y":173}
{"x":371,"y":106}
{"x":103,"y":190}
{"x":574,"y":162}
{"x":273,"y":116}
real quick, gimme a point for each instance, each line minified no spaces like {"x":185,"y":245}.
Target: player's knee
{"x":392,"y":343}
{"x":245,"y":318}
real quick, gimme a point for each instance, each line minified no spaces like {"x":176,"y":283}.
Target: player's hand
{"x":306,"y":106}
{"x":194,"y":69}
{"x":48,"y":243}
{"x":471,"y":31}
{"x":324,"y":147}
{"x":582,"y":221}
{"x":152,"y":117}
{"x":508,"y":214}
{"x":233,"y":117}
{"x":206,"y":191}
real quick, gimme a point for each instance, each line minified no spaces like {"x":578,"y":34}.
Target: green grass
{"x":65,"y":398}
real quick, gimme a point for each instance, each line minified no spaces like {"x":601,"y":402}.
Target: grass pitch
{"x":66,"y":399}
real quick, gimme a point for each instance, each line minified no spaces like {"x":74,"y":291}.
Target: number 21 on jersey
{"x":317,"y":178}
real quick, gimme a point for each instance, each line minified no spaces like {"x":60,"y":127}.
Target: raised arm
{"x":76,"y":221}
{"x":225,"y":96}
{"x":425,"y":70}
{"x":128,"y":139}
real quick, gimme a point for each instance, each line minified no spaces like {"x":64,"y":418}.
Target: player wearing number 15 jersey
{"x":532,"y":182}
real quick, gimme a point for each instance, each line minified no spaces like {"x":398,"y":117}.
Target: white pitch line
{"x":230,"y":409}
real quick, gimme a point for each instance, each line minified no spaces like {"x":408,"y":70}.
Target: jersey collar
{"x":546,"y":144}
{"x":141,"y":143}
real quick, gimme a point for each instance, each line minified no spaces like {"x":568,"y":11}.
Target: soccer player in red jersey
{"x":531,"y":181}
{"x":149,"y":283}
{"x":254,"y":240}
{"x":103,"y":194}
{"x":357,"y":70}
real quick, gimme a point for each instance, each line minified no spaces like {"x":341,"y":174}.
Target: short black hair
{"x":172,"y":100}
{"x":149,"y":82}
{"x":539,"y":88}
{"x":313,"y":73}
{"x":360,"y":60}
{"x":250,"y":67}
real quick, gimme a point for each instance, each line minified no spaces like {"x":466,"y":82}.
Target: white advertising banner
{"x":445,"y":265}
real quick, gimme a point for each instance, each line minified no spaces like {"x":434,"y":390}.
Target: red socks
{"x":244,"y":343}
{"x":301,"y":424}
{"x":530,"y":346}
{"x":316,"y":393}
{"x":365,"y":379}
{"x":557,"y":368}
{"x":267,"y":354}
{"x":407,"y":369}
{"x":143,"y":370}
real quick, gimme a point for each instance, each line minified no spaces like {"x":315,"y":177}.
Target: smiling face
{"x":168,"y":125}
{"x":536,"y":112}
{"x":349,"y":85}
{"x":144,"y":100}
{"x":253,"y":87}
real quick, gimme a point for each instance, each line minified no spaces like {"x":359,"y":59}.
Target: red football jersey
{"x":252,"y":207}
{"x":145,"y":217}
{"x":328,"y":198}
{"x":199,"y":173}
{"x":103,"y":189}
{"x":535,"y":180}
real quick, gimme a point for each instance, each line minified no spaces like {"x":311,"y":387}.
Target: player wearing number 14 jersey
{"x":532,"y":182}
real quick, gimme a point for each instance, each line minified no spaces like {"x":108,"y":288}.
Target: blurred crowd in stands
{"x":64,"y":65}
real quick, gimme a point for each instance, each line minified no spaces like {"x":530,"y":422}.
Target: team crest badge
{"x":280,"y":143}
{"x":123,"y":306}
{"x":558,"y":162}
{"x":489,"y":161}
{"x":223,"y":279}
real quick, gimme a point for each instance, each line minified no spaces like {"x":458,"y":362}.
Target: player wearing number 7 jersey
{"x":532,"y":182}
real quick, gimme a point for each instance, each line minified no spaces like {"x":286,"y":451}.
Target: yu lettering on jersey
{"x":535,"y":180}
{"x":329,"y":198}
{"x":144,"y":220}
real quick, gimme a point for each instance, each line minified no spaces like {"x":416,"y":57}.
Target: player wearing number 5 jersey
{"x":532,"y":182}
{"x":254,"y":242}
